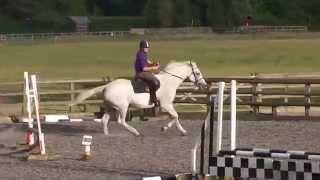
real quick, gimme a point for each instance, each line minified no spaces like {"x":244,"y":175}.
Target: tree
{"x":151,"y":13}
{"x":18,"y":9}
{"x":215,"y":13}
{"x":183,"y":13}
{"x":166,"y":13}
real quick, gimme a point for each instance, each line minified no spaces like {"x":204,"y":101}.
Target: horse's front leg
{"x":175,"y":119}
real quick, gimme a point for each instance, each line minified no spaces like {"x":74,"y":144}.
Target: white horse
{"x":119,"y":94}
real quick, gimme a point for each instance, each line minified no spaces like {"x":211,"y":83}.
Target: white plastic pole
{"x":30,"y":134}
{"x":220,"y":116}
{"x":87,"y":150}
{"x":36,"y":103}
{"x":194,"y":161}
{"x":233,"y":115}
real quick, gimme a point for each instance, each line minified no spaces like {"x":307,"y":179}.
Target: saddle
{"x":139,"y":86}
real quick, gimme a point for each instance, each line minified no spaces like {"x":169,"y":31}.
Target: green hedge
{"x":64,"y":24}
{"x":40,"y":25}
{"x":8,"y":25}
{"x":120,"y":23}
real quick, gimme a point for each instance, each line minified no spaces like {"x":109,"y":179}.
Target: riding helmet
{"x":144,"y":44}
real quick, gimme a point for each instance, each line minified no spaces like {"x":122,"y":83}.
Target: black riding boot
{"x":153,"y":98}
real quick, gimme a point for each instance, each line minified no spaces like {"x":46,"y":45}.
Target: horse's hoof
{"x":184,"y":133}
{"x":141,"y":136}
{"x":164,"y":129}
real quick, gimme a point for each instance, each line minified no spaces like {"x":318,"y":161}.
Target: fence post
{"x":72,"y":95}
{"x":208,"y":97}
{"x":307,"y":92}
{"x":254,"y":98}
{"x":24,"y":100}
{"x":274,"y":112}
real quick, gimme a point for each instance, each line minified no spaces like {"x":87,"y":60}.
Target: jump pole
{"x":33,"y":100}
{"x":233,"y":114}
{"x":29,"y":134}
{"x":221,"y":86}
{"x":36,"y":104}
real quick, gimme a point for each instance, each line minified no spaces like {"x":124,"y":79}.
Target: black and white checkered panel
{"x":240,"y":167}
{"x":296,"y":169}
{"x":264,"y":168}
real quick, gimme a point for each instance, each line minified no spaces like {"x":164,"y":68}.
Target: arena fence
{"x":62,"y":36}
{"x":255,"y":93}
{"x":261,"y":28}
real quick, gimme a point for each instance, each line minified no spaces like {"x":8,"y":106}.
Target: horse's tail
{"x":86,"y":94}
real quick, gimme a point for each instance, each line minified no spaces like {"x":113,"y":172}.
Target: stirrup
{"x":156,"y":103}
{"x":156,"y":110}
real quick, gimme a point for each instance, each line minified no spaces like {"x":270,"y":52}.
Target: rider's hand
{"x":157,"y":66}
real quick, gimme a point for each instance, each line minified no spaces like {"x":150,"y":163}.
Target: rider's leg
{"x":153,"y":84}
{"x":154,"y":88}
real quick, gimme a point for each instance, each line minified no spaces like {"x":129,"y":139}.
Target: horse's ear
{"x":190,"y":62}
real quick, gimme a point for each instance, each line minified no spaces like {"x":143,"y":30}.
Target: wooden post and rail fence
{"x":253,"y":92}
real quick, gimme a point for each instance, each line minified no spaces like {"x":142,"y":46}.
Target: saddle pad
{"x":139,"y":86}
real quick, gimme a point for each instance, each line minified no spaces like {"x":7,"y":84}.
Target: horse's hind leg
{"x":122,"y":120}
{"x":108,"y":113}
{"x":105,"y":121}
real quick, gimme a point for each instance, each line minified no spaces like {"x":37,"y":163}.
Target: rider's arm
{"x":146,"y":64}
{"x":151,"y":68}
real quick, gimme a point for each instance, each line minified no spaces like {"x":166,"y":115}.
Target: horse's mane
{"x":174,"y":64}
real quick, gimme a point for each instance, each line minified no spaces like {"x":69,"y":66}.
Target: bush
{"x":36,"y":25}
{"x":8,"y":25}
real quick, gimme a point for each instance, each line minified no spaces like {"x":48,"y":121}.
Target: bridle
{"x":196,"y":80}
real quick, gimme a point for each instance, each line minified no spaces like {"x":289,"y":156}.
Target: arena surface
{"x":124,"y":156}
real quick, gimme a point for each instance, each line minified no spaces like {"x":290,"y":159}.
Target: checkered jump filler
{"x":253,"y":162}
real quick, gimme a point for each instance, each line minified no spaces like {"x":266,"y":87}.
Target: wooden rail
{"x":253,"y":91}
{"x":262,"y":28}
{"x":58,"y":36}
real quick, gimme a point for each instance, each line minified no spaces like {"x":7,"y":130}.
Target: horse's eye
{"x":197,"y":73}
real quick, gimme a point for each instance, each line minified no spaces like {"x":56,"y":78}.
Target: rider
{"x":145,"y":70}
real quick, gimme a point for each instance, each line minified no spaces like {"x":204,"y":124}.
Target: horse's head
{"x":186,"y":70}
{"x":196,"y":76}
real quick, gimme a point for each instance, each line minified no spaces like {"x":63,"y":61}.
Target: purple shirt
{"x":141,"y":61}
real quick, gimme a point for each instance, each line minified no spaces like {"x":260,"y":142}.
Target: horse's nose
{"x":203,"y":84}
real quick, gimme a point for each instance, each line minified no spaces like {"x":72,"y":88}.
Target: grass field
{"x":95,"y":59}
